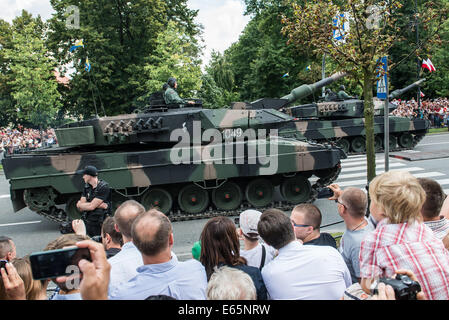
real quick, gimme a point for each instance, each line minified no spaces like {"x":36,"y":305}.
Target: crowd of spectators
{"x":269,"y":255}
{"x":435,"y":110}
{"x":20,"y":139}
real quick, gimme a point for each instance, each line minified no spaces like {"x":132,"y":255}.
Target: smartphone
{"x":325,"y":193}
{"x":55,"y":263}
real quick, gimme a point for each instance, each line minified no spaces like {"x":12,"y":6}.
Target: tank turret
{"x":344,"y":109}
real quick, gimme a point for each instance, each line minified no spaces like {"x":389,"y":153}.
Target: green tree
{"x":6,"y":100}
{"x":118,"y":37}
{"x":261,"y":56}
{"x":219,"y":90}
{"x":32,"y":79}
{"x":375,"y":27}
{"x":176,"y":55}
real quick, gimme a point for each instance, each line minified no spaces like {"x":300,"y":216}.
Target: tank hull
{"x":47,"y":182}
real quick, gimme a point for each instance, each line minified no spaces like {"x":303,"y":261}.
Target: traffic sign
{"x":382,"y":83}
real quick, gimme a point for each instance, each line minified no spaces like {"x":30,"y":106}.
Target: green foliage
{"x":33,"y":86}
{"x":371,"y":37}
{"x":118,"y":48}
{"x":176,"y":55}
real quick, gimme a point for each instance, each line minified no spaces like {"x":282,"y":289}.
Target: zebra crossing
{"x":353,"y":171}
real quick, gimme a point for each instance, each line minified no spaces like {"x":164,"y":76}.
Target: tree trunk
{"x":368,"y":80}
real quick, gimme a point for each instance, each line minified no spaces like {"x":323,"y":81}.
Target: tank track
{"x":416,"y":140}
{"x":59,"y":215}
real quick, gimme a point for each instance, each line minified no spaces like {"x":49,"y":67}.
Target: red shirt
{"x":407,"y":246}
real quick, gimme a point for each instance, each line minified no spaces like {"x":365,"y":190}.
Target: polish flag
{"x":427,"y":64}
{"x":421,"y":94}
{"x":431,"y":65}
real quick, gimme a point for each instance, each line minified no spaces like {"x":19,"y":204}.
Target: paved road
{"x":32,"y":232}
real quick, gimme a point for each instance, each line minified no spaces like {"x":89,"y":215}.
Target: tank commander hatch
{"x":172,"y":97}
{"x":330,"y":95}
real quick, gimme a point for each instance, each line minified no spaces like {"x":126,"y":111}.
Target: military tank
{"x":342,"y":122}
{"x":189,"y":162}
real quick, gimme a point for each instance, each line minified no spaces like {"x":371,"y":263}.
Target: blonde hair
{"x":228,"y":283}
{"x":399,"y":195}
{"x":33,"y":288}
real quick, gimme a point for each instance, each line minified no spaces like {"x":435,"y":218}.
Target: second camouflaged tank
{"x":342,"y":122}
{"x":189,"y":162}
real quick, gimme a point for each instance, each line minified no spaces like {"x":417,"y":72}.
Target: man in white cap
{"x":257,"y":255}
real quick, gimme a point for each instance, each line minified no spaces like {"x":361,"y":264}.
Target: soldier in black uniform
{"x":95,"y":202}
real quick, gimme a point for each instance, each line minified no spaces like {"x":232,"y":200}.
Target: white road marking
{"x":363,"y":174}
{"x":19,"y":223}
{"x":363,"y":168}
{"x":431,"y":144}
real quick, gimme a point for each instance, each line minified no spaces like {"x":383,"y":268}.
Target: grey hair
{"x":228,"y":283}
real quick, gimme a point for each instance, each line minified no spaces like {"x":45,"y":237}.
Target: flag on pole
{"x":421,"y":94}
{"x":87,"y":65}
{"x":77,"y":45}
{"x":427,"y":64}
{"x":431,"y":65}
{"x":285,"y":75}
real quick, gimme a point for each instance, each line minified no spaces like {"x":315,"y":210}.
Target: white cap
{"x":248,"y":221}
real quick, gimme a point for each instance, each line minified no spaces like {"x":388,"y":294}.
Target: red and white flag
{"x":422,"y":94}
{"x":427,"y":64}
{"x":431,"y":65}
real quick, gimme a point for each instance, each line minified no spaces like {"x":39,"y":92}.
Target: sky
{"x":223,"y":20}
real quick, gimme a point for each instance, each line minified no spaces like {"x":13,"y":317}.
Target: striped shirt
{"x":407,"y":246}
{"x":440,"y":227}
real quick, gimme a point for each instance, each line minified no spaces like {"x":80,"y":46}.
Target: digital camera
{"x":404,"y":287}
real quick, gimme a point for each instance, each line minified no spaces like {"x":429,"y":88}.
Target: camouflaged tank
{"x":189,"y":162}
{"x":342,"y":122}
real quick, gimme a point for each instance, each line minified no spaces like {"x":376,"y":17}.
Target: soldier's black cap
{"x":89,"y":170}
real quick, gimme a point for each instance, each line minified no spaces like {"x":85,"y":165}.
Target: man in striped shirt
{"x":401,"y":240}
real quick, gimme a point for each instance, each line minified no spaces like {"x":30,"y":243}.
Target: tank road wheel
{"x":70,"y":208}
{"x":378,"y":143}
{"x":259,"y":192}
{"x":393,"y":141}
{"x":406,"y":140}
{"x":344,"y":144}
{"x":227,"y":197}
{"x":157,"y":198}
{"x":40,"y":199}
{"x":193,"y":199}
{"x":296,"y":189}
{"x":358,"y":144}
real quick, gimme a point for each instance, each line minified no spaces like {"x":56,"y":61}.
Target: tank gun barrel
{"x":399,"y":92}
{"x":307,"y":89}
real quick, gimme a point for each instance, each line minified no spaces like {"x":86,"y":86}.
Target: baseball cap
{"x":248,"y":222}
{"x":89,"y":170}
